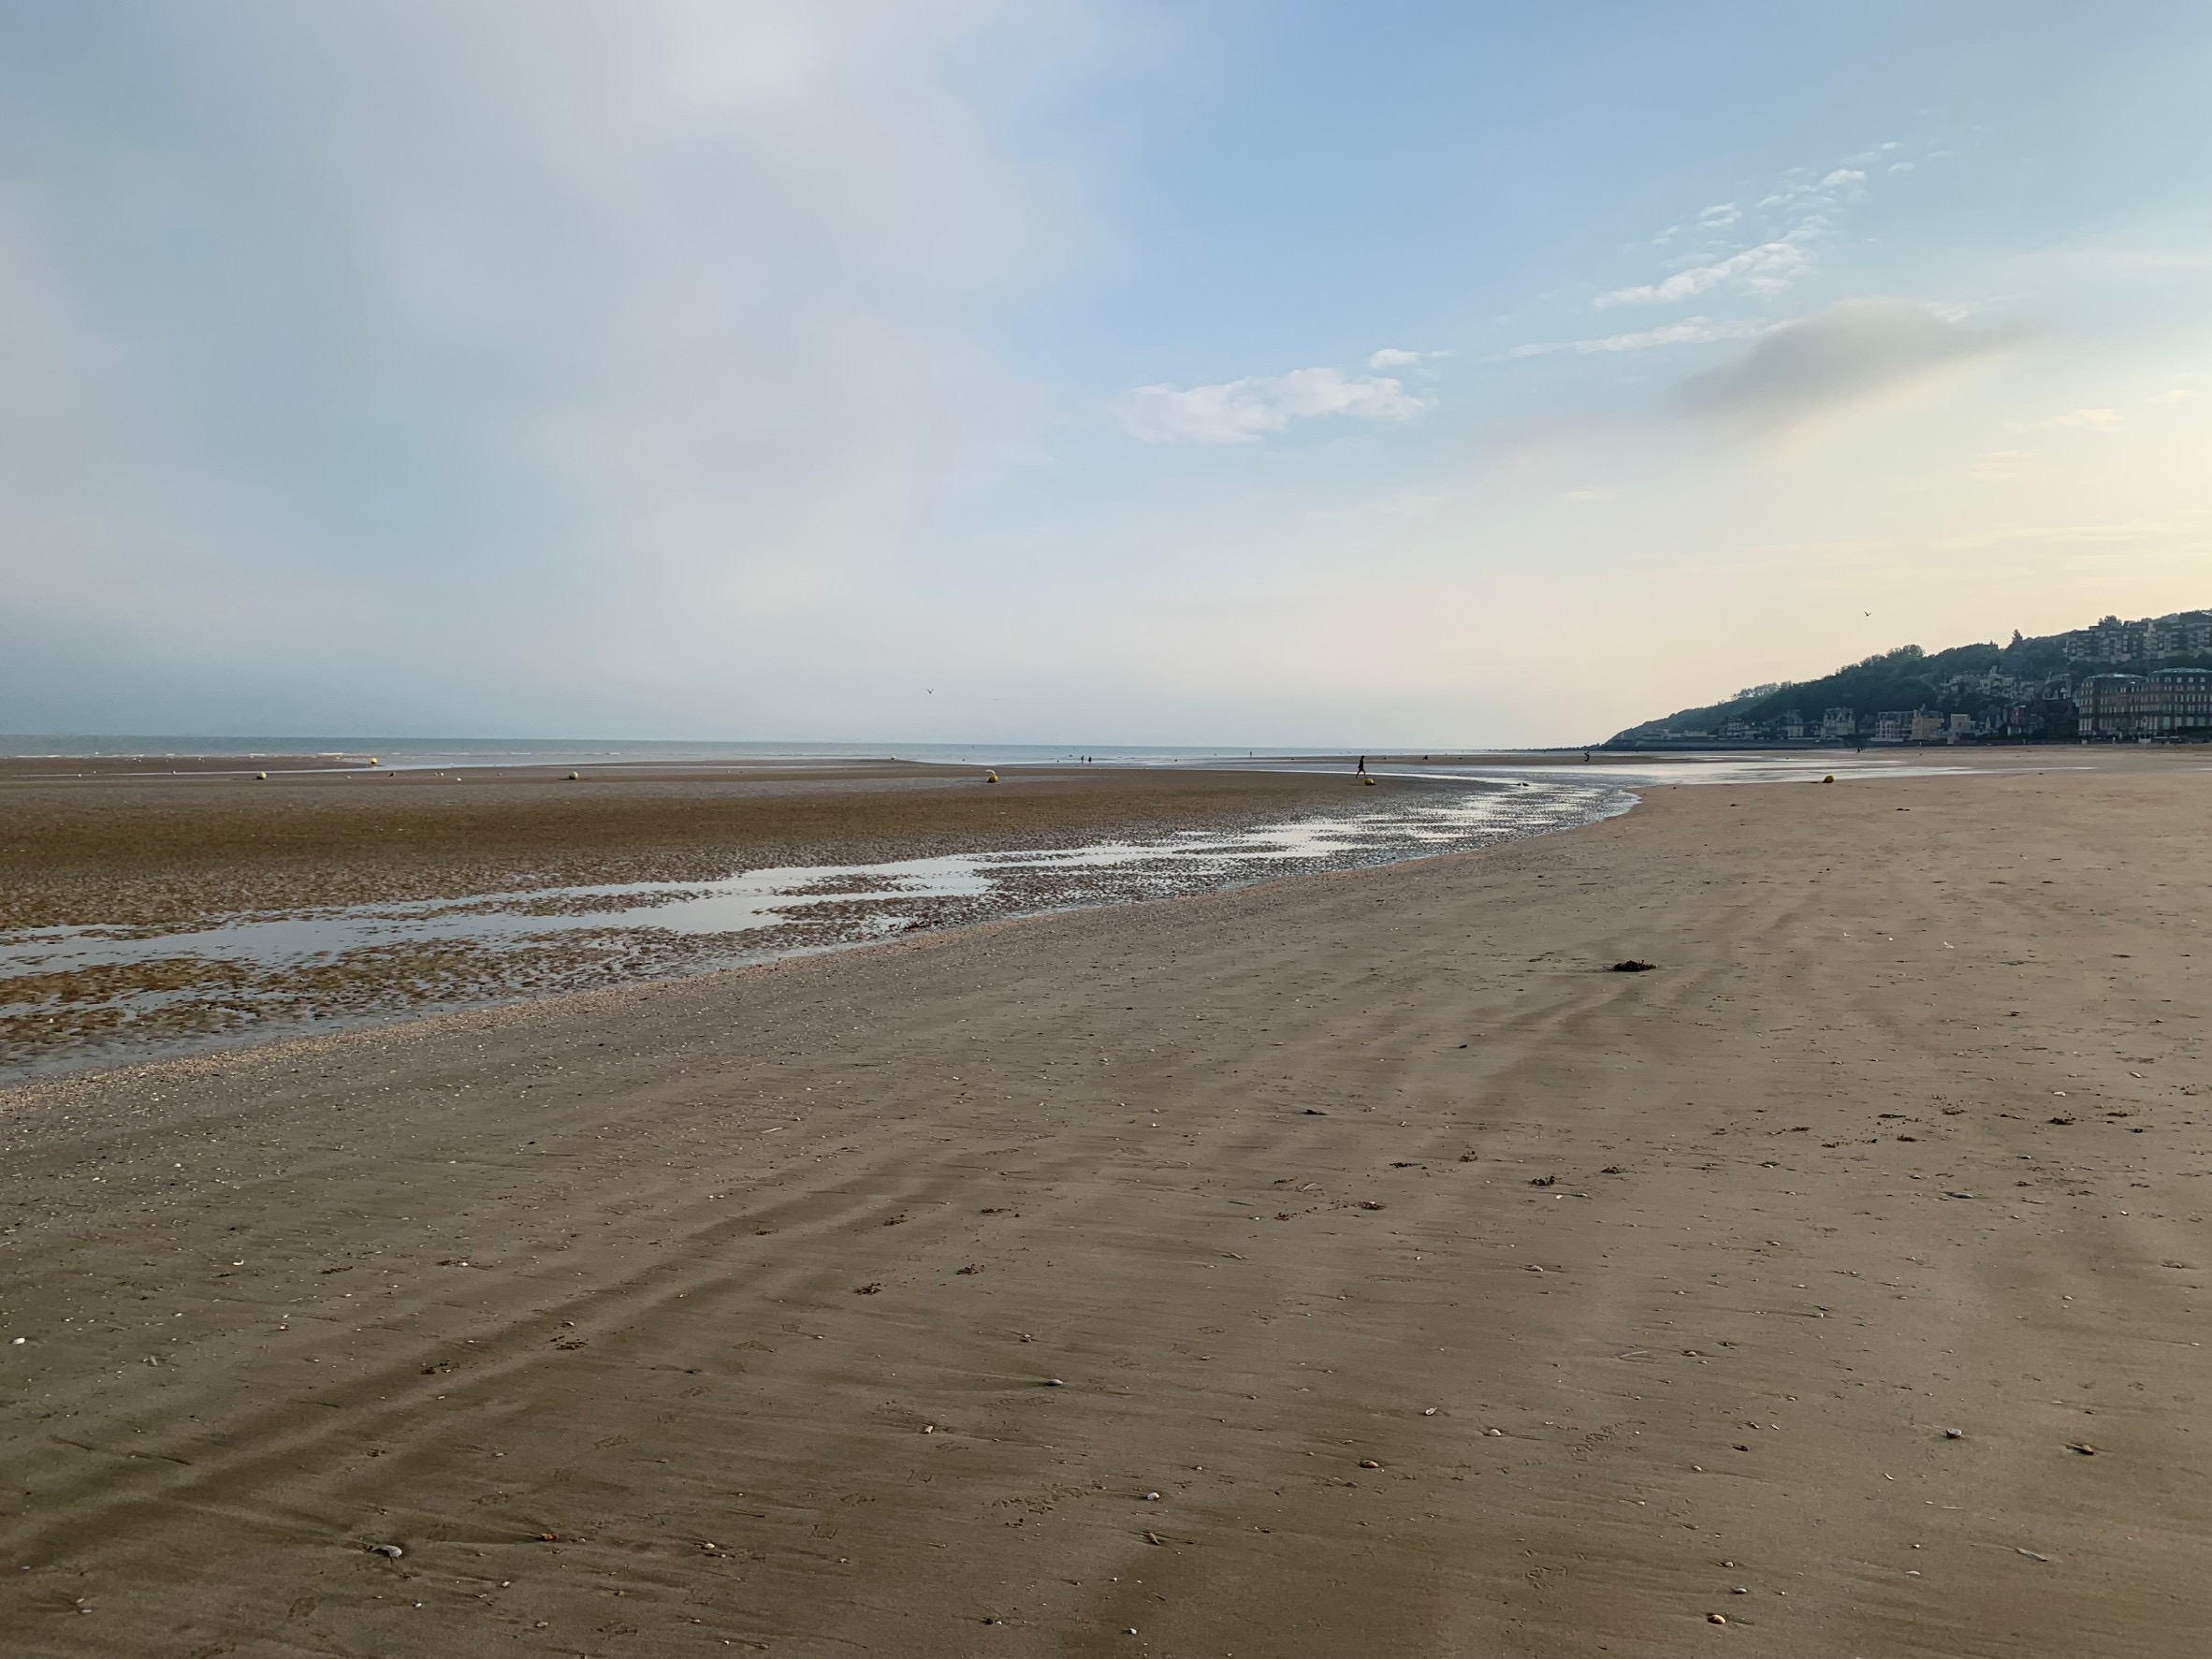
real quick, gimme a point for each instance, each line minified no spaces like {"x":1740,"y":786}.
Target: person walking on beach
{"x":1360,"y":770}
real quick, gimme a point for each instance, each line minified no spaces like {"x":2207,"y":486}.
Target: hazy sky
{"x":1255,"y":373}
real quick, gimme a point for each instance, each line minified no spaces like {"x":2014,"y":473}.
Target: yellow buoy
{"x":990,"y":777}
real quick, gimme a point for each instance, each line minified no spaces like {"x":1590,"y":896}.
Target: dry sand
{"x":723,"y":1314}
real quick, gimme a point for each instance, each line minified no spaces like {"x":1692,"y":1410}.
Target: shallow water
{"x":90,"y":993}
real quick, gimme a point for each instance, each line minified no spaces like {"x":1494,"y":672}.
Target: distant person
{"x":1360,"y":770}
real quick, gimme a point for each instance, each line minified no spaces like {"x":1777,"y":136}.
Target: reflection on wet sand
{"x":69,"y":995}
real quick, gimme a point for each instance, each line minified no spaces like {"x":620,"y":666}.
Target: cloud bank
{"x":1853,"y":351}
{"x":639,"y":327}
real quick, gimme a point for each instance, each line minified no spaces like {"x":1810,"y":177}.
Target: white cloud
{"x":1243,"y":411}
{"x":2180,"y":394}
{"x":1841,"y":177}
{"x":1690,"y":331}
{"x":1392,"y":358}
{"x":1720,"y":213}
{"x":2096,"y":420}
{"x":1767,"y":268}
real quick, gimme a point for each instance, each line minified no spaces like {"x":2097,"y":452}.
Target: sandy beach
{"x":1349,"y":1265}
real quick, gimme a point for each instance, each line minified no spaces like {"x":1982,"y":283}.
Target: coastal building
{"x":2168,"y":702}
{"x":1962,"y":727}
{"x":1928,"y":725}
{"x":1839,"y":723}
{"x":2153,"y":639}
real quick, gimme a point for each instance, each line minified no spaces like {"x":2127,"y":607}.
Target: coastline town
{"x":2118,"y":682}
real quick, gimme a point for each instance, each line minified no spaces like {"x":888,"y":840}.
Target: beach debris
{"x":389,"y":1551}
{"x":1469,"y":1157}
{"x":1154,"y":1539}
{"x":2031,"y":1554}
{"x":973,"y":1267}
{"x":1369,"y":1205}
{"x":1428,"y":1411}
{"x":1613,"y":1170}
{"x":1542,"y":1180}
{"x":1054,"y":1382}
{"x":1152,"y":1497}
{"x":2063,"y":1121}
{"x":260,"y":777}
{"x":575,"y":777}
{"x":1829,"y":778}
{"x":1369,"y":1463}
{"x":1532,"y":1267}
{"x":1739,"y":1590}
{"x":1633,"y":965}
{"x":894,"y":1220}
{"x":873,"y":1287}
{"x":1314,"y":1111}
{"x":1953,"y":1434}
{"x":1495,"y":1434}
{"x":2083,"y":1447}
{"x":1716,"y":1618}
{"x":1963,"y":1195}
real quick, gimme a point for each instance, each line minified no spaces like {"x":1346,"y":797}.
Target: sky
{"x":1261,"y":374}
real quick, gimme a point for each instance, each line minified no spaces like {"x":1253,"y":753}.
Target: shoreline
{"x":739,"y":1296}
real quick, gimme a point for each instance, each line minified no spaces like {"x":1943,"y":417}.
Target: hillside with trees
{"x":2021,"y":689}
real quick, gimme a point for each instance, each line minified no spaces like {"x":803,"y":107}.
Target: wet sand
{"x":165,"y":854}
{"x":174,"y":849}
{"x":1413,"y":1284}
